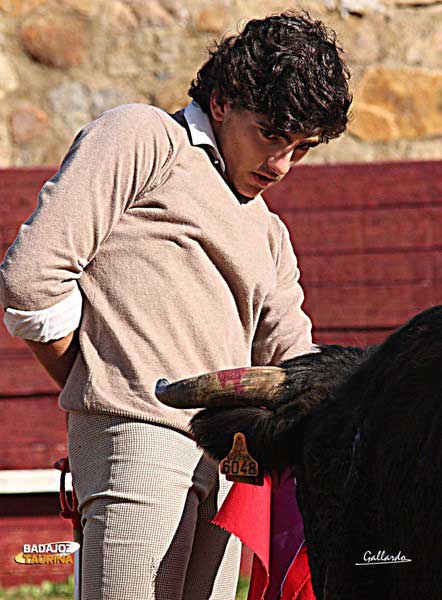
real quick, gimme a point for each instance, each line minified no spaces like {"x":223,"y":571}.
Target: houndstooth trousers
{"x":147,"y":495}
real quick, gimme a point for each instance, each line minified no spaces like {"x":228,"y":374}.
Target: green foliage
{"x":46,"y":590}
{"x":59,"y":591}
{"x":242,"y":589}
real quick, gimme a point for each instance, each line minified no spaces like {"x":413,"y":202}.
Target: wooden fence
{"x":369,"y":242}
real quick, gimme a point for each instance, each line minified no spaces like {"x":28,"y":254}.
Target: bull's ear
{"x":249,"y":386}
{"x":214,"y":430}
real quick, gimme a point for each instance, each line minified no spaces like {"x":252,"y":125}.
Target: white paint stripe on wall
{"x":32,"y":481}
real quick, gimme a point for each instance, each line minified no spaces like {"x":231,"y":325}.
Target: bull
{"x":360,"y":430}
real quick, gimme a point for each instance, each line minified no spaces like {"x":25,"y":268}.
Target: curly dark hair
{"x":288,"y":67}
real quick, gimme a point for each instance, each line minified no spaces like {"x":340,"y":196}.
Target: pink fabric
{"x":247,"y":513}
{"x":298,"y":581}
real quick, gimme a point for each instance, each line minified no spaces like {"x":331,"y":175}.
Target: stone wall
{"x":63,"y":62}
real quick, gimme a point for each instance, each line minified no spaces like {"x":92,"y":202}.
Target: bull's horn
{"x":250,"y":386}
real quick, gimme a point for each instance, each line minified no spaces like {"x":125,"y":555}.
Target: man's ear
{"x":218,"y":106}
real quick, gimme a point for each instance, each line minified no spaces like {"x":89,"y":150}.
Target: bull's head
{"x":266,"y":404}
{"x":364,"y":428}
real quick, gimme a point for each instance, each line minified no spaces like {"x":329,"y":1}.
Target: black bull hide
{"x":361,"y":431}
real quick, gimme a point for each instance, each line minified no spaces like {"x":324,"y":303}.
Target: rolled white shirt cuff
{"x":46,"y":324}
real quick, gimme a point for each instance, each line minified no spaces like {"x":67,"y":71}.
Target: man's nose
{"x":280,"y":163}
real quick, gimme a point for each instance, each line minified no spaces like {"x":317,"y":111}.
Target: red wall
{"x":369,"y":241}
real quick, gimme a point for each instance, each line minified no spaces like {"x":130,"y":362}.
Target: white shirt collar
{"x":201,"y":130}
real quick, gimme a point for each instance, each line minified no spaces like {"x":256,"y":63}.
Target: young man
{"x":152,"y":254}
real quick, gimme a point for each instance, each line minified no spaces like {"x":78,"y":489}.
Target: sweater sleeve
{"x":284,"y":330}
{"x":111,"y":161}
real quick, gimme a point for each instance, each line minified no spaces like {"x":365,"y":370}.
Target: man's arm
{"x":57,"y":356}
{"x":284,"y":330}
{"x":114,"y":159}
{"x":111,"y":161}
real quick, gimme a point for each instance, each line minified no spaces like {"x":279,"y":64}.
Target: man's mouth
{"x":263,"y":180}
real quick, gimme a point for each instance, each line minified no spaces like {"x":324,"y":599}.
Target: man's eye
{"x":268,"y":135}
{"x":306,"y":146}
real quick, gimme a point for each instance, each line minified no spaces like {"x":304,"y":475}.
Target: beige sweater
{"x":178,"y":278}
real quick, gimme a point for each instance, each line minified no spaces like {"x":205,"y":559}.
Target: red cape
{"x":257,"y":515}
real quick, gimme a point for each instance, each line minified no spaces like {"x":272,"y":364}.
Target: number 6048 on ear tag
{"x":239,"y":465}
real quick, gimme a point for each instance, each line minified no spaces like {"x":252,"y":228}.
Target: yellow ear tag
{"x":239,"y":465}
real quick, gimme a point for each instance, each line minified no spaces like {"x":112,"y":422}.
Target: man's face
{"x":255,"y":157}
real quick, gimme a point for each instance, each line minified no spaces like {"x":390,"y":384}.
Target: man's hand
{"x":57,"y":357}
